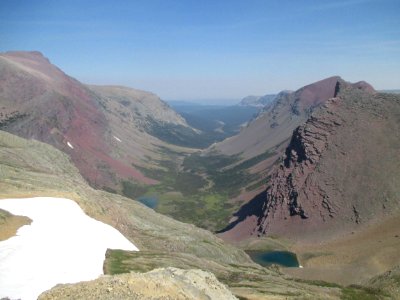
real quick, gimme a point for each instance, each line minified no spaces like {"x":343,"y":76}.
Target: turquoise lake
{"x":149,"y":201}
{"x":267,"y":258}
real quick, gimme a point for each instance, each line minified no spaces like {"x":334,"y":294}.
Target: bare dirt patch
{"x":353,"y":258}
{"x":9,"y":224}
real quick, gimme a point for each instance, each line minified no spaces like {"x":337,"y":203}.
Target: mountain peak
{"x":365,"y":86}
{"x":27,"y":55}
{"x":317,"y":92}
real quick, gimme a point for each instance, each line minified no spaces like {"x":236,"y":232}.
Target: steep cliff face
{"x":339,"y":169}
{"x":292,"y":186}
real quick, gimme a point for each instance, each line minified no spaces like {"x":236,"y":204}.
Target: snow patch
{"x":117,"y":138}
{"x":62,"y":245}
{"x":69,"y":145}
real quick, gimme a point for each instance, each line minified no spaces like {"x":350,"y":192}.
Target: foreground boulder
{"x":169,"y":283}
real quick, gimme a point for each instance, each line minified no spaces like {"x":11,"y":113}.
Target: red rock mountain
{"x":271,"y":131}
{"x":103,"y":129}
{"x":339,"y":172}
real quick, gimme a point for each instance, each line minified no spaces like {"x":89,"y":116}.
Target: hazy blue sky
{"x":210,"y":49}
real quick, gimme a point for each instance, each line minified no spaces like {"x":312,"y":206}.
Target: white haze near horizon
{"x":62,"y":245}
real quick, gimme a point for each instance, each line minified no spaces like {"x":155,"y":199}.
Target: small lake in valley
{"x":149,"y":201}
{"x":268,"y":258}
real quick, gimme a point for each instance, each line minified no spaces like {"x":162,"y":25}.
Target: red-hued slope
{"x":38,"y":100}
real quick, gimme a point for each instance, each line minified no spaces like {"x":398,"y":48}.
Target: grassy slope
{"x":388,"y":283}
{"x":217,"y":122}
{"x":30,"y":168}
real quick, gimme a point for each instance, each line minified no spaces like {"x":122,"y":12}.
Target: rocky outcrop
{"x":169,"y":283}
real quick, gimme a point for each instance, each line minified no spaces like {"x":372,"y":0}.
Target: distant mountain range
{"x":257,"y":101}
{"x":397,"y":91}
{"x":218,"y":122}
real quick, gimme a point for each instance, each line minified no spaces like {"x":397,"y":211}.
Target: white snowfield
{"x":62,"y":245}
